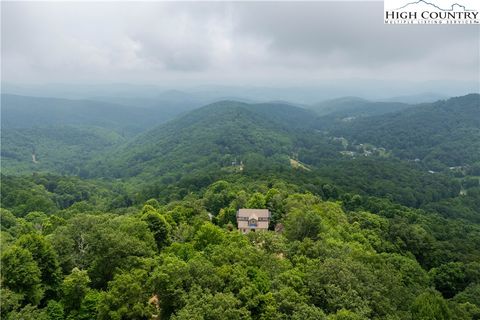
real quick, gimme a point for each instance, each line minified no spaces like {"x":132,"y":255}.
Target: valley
{"x":239,"y":160}
{"x":130,"y":201}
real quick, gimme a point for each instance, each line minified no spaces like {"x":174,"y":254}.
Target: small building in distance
{"x":253,"y":220}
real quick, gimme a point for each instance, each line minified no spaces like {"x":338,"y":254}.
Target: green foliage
{"x":28,"y":312}
{"x":363,"y":238}
{"x":126,"y":298}
{"x":21,"y":274}
{"x":256,"y":201}
{"x":9,"y":300}
{"x":227,"y":216}
{"x":61,"y":149}
{"x":470,"y":295}
{"x":208,"y":234}
{"x":301,"y":225}
{"x":399,"y":181}
{"x":449,"y":278}
{"x":218,"y":196}
{"x":167,"y":281}
{"x":153,"y":203}
{"x":216,"y":307}
{"x":55,"y":310}
{"x":303,"y":220}
{"x":159,"y":227}
{"x":430,"y":306}
{"x":89,"y":307}
{"x":46,"y":260}
{"x":22,"y":196}
{"x":74,"y":288}
{"x":101,"y":244}
{"x":50,"y":194}
{"x":346,"y":315}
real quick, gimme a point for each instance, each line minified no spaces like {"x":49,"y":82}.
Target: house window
{"x":252,"y":222}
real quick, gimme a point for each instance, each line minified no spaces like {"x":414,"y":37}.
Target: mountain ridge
{"x":446,"y":129}
{"x":216,"y":134}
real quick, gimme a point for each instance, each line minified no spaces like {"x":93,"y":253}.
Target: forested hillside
{"x":60,"y":149}
{"x":259,"y":139}
{"x":209,"y":138}
{"x":104,"y":225}
{"x":442,"y":134}
{"x":64,"y":134}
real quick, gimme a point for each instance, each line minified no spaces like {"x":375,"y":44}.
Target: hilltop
{"x":210,"y":137}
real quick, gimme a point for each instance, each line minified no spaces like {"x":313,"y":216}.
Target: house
{"x":253,"y":219}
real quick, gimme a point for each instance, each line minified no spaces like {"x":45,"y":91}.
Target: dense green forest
{"x":60,"y":149}
{"x":373,"y":217}
{"x":442,"y":134}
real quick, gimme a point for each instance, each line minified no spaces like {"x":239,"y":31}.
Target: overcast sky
{"x":227,"y":43}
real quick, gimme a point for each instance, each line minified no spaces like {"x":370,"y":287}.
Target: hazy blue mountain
{"x":355,"y":107}
{"x":28,"y":112}
{"x":311,"y":93}
{"x":169,"y":103}
{"x":306,"y":93}
{"x":426,"y":97}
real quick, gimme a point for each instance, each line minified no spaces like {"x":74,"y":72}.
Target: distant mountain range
{"x":127,"y":116}
{"x":306,"y":94}
{"x":229,"y":137}
{"x":444,"y":133}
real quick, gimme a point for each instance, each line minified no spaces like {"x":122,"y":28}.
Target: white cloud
{"x":247,"y":43}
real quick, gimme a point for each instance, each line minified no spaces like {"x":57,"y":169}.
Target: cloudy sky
{"x":265,"y":43}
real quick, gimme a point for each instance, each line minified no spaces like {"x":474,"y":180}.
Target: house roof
{"x":257,"y":213}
